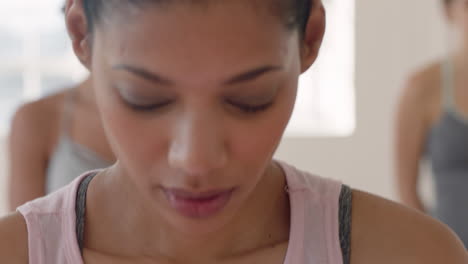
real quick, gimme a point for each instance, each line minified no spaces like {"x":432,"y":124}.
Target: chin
{"x":198,"y":227}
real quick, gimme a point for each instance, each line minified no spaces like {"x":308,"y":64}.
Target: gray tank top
{"x":448,"y":153}
{"x":69,"y":159}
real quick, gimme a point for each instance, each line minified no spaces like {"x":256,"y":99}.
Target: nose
{"x":198,"y":147}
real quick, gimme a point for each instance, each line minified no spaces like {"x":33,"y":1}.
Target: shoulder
{"x":420,"y":99}
{"x":40,"y":111}
{"x":424,"y":83}
{"x":386,"y":232}
{"x":13,"y":239}
{"x":38,"y":118}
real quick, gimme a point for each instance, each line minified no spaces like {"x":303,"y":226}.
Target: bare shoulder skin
{"x":386,"y":232}
{"x":33,"y":136}
{"x":36,"y":131}
{"x":13,"y":240}
{"x":418,"y":110}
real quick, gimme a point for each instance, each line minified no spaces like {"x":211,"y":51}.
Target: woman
{"x":194,"y":101}
{"x":59,"y":137}
{"x":433,"y":122}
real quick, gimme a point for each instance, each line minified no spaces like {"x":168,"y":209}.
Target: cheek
{"x":140,"y":144}
{"x":260,"y":139}
{"x":133,"y":137}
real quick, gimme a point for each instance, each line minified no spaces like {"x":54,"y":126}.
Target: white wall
{"x":392,"y":38}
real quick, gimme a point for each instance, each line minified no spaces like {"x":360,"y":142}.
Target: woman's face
{"x":194,"y":101}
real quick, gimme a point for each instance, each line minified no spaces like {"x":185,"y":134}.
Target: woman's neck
{"x":262,"y":223}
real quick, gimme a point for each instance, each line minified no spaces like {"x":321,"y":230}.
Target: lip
{"x":198,"y":205}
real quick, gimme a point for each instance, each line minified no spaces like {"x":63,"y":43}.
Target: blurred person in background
{"x":53,"y":141}
{"x":432,"y":123}
{"x":60,"y":136}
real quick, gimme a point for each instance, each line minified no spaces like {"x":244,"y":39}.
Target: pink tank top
{"x":314,"y":235}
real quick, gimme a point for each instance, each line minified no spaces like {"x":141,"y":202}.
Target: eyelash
{"x":147,"y":108}
{"x":252,"y":109}
{"x":248,"y":109}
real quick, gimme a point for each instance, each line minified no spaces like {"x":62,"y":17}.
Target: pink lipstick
{"x":198,"y":205}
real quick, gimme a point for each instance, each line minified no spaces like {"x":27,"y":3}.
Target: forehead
{"x":183,"y":38}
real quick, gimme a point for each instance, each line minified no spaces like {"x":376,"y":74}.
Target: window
{"x":325,"y":102}
{"x":36,"y":60}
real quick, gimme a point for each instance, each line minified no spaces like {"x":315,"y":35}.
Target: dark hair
{"x":448,"y":2}
{"x":295,"y":13}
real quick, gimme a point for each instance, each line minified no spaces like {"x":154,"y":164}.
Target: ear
{"x":314,"y":35}
{"x":77,"y":27}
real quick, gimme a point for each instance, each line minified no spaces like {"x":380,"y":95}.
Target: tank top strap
{"x":448,"y":84}
{"x":320,"y":218}
{"x":80,"y":208}
{"x":53,"y":215}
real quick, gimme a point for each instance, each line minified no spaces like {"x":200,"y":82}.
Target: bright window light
{"x":325,"y":104}
{"x":36,"y":60}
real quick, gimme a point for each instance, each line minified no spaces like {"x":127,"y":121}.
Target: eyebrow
{"x":240,"y":78}
{"x":143,"y":74}
{"x":253,"y":74}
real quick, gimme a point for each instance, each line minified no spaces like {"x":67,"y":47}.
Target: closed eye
{"x":250,"y":108}
{"x":148,"y":107}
